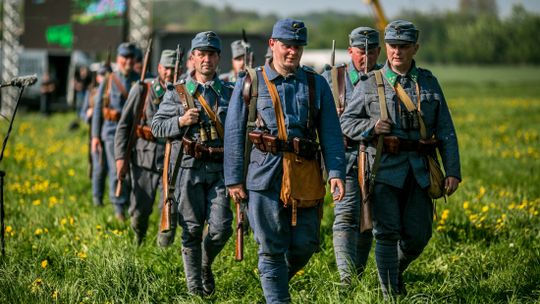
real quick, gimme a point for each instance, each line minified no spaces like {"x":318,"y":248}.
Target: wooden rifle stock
{"x":366,"y":222}
{"x":165,"y":223}
{"x":239,"y":249}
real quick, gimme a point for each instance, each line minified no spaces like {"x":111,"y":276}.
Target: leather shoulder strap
{"x":380,"y":140}
{"x":119,"y":85}
{"x":185,"y":98}
{"x":280,"y":116}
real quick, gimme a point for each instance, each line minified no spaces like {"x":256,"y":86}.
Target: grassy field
{"x":485,"y":247}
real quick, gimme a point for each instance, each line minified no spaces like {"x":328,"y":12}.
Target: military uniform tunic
{"x":351,"y":247}
{"x":402,"y":209}
{"x":146,"y":158}
{"x":106,"y":129}
{"x":200,"y":189}
{"x":283,"y":249}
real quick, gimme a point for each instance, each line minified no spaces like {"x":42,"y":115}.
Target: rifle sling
{"x":380,"y":141}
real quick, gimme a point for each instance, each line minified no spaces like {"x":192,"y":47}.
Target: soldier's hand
{"x":339,"y":193}
{"x":189,"y":118}
{"x":237,"y":192}
{"x":450,"y":185}
{"x":383,"y":126}
{"x":121,"y":168}
{"x":95,"y":145}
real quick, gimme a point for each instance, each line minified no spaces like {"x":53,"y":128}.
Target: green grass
{"x":485,"y":246}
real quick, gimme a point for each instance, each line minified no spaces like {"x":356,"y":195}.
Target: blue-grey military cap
{"x":168,"y":58}
{"x":238,"y":48}
{"x":400,"y":32}
{"x":126,"y":49}
{"x":138,"y":55}
{"x":289,"y":31}
{"x":206,"y":41}
{"x":104,"y":69}
{"x":360,"y":35}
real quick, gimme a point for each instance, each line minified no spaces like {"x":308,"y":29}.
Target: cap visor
{"x":207,"y":48}
{"x":293,"y":42}
{"x":393,"y":41}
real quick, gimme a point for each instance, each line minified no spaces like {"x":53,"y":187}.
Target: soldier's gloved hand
{"x":450,"y":185}
{"x":339,"y":193}
{"x":237,"y":192}
{"x":121,"y":168}
{"x":383,"y":126}
{"x":189,"y":118}
{"x":95,"y":145}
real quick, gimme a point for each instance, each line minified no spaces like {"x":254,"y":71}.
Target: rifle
{"x":334,"y":74}
{"x":168,"y":222}
{"x":178,"y":63}
{"x":366,"y":222}
{"x":132,"y":138}
{"x":248,"y":54}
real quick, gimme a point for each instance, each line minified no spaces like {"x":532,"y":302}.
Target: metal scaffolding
{"x":139,"y":22}
{"x":11,"y":31}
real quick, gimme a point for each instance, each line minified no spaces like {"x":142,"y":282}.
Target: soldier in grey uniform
{"x":197,"y":130}
{"x":287,"y":236}
{"x":98,"y":164}
{"x":351,"y":247}
{"x":146,"y":158}
{"x":238,"y":50}
{"x":112,"y":95}
{"x":402,"y":210}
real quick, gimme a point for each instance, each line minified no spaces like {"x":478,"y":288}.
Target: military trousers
{"x":99,"y":174}
{"x":402,"y":220}
{"x":202,"y":200}
{"x":351,"y":247}
{"x":144,"y":186}
{"x":283,"y":249}
{"x":120,"y":203}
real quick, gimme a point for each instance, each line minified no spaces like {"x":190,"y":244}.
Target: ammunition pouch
{"x":202,"y":152}
{"x":111,"y":114}
{"x":144,"y":132}
{"x":267,"y":142}
{"x":394,"y":145}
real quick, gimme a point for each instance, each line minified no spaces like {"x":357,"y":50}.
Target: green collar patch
{"x":159,"y":90}
{"x":392,"y":76}
{"x":354,"y":76}
{"x":192,"y":85}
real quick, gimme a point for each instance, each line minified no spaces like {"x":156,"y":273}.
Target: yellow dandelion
{"x":71,"y":172}
{"x":441,"y":228}
{"x":485,"y":209}
{"x":54,"y":295}
{"x":481,"y":192}
{"x":300,"y":272}
{"x":9,"y":229}
{"x":98,"y":227}
{"x":466,"y":205}
{"x":63,"y":221}
{"x":71,"y":220}
{"x":82,"y":255}
{"x":512,"y":206}
{"x":444,"y":214}
{"x":38,"y":231}
{"x":52,"y":201}
{"x":44,"y":264}
{"x":36,"y":202}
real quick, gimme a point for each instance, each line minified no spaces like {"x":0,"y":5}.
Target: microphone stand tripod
{"x":3,"y":173}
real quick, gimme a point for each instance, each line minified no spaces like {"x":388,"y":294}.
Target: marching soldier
{"x":351,"y":247}
{"x":146,"y":159}
{"x":112,"y":95}
{"x":98,"y":165}
{"x":284,"y":178}
{"x":238,"y":50}
{"x":417,"y":111}
{"x":192,"y":115}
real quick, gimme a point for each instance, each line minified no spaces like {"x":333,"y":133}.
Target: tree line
{"x":449,"y":37}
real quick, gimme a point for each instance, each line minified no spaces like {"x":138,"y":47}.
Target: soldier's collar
{"x":354,"y":75}
{"x":300,"y":74}
{"x":192,"y":85}
{"x":158,"y":89}
{"x":392,"y":76}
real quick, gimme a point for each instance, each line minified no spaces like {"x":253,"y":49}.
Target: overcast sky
{"x":286,"y":8}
